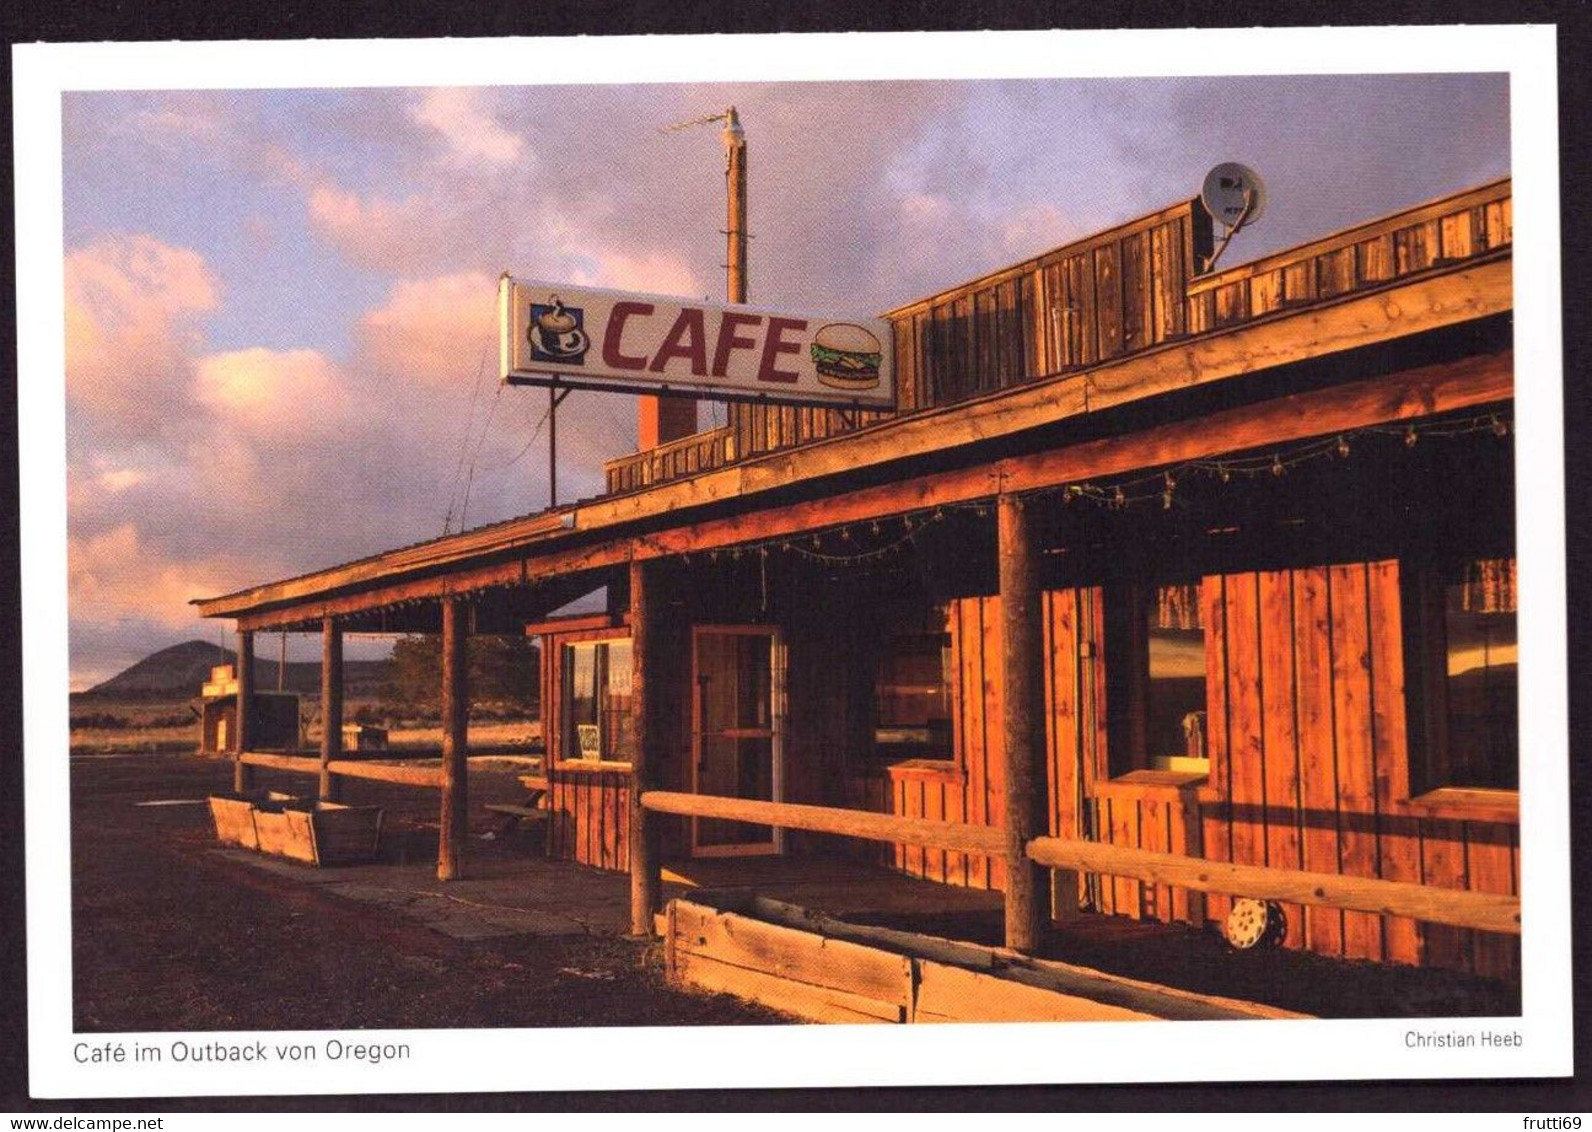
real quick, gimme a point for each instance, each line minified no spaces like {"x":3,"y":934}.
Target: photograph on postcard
{"x":737,"y":554}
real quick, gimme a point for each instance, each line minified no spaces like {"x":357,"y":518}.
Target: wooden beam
{"x":453,"y":822}
{"x":647,"y":695}
{"x":956,"y":836}
{"x":575,"y":624}
{"x":398,"y":773}
{"x":1480,"y":910}
{"x":1408,"y":395}
{"x":297,"y":764}
{"x":1473,"y":290}
{"x":331,"y":705}
{"x":242,"y":778}
{"x":1023,"y":718}
{"x":425,"y":776}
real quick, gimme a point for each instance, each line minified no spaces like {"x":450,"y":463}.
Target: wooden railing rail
{"x":426,"y":776}
{"x":955,"y":836}
{"x":1483,"y":911}
{"x":698,"y":452}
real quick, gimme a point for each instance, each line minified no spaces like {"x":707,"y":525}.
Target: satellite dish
{"x":1234,"y":194}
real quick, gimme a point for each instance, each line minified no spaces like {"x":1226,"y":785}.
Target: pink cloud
{"x":271,"y":391}
{"x":467,"y":128}
{"x":118,"y":575}
{"x":435,"y":330}
{"x":130,"y":306}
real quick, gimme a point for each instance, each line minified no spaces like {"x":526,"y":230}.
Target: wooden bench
{"x":532,"y":809}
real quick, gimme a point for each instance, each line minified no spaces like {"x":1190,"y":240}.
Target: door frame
{"x":775,"y":733}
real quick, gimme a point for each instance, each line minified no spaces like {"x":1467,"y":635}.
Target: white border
{"x":451,"y":1061}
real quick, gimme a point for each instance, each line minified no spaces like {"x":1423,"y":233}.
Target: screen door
{"x":736,"y":725}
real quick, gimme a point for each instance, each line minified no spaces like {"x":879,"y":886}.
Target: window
{"x":596,"y":702}
{"x":912,"y":693}
{"x":1155,"y":673}
{"x":1464,"y":687}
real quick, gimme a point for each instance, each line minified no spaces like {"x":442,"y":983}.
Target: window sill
{"x":1468,"y":803}
{"x":1168,"y":785}
{"x":590,"y":766}
{"x":925,"y":768}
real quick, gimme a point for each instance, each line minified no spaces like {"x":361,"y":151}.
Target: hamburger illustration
{"x":846,"y":356}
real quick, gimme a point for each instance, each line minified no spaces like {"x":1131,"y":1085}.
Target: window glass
{"x":1155,"y":643}
{"x":912,"y":694}
{"x":1482,"y":688}
{"x":597,"y":701}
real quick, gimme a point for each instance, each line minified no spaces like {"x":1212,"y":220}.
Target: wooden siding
{"x":1465,"y":226}
{"x":1306,"y":732}
{"x":1309,"y":763}
{"x":1119,"y":292}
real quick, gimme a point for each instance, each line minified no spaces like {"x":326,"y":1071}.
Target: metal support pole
{"x":1023,"y":749}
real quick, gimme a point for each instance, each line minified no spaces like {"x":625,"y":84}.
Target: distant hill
{"x":176,"y":673}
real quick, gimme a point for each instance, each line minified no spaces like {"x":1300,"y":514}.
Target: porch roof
{"x":878,"y":469}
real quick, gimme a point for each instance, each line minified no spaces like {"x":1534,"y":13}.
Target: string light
{"x":1410,"y":437}
{"x":1498,"y":426}
{"x":1276,"y":466}
{"x":1342,"y":448}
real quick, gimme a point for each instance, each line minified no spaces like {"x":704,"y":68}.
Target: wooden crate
{"x":300,"y":829}
{"x":234,"y":821}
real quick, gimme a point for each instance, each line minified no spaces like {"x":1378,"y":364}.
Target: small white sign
{"x":555,"y":334}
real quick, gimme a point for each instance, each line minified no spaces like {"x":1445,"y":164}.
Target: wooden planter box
{"x":300,"y":829}
{"x":827,"y":970}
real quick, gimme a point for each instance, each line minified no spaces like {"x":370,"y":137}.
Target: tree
{"x":506,"y":669}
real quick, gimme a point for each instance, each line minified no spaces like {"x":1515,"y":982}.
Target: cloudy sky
{"x":281,"y":327}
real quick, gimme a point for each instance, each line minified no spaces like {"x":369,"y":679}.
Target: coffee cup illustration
{"x":556,"y":333}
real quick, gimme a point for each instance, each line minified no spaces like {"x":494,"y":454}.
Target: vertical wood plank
{"x":1277,"y":681}
{"x":1398,"y":838}
{"x":1216,"y":831}
{"x":1457,"y":234}
{"x":1245,"y":725}
{"x":1443,"y":864}
{"x":1108,"y":299}
{"x":994,"y":709}
{"x":1489,"y":853}
{"x":1318,"y":776}
{"x":1357,"y":807}
{"x":1375,"y":256}
{"x":1136,"y":292}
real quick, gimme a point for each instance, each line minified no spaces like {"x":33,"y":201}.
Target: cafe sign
{"x":583,"y":338}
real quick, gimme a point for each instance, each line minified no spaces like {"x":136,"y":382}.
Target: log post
{"x":1023,"y":748}
{"x":454,"y":820}
{"x":331,"y":705}
{"x":242,"y":773}
{"x":646,"y":876}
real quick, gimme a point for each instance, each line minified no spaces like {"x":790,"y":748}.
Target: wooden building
{"x":1214,"y":566}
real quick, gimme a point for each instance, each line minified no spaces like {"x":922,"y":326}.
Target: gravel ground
{"x":169,"y":935}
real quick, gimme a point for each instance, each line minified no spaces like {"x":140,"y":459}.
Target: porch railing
{"x":695,"y":453}
{"x":1482,"y":911}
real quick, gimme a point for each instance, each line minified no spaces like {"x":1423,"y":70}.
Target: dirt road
{"x":170,"y":935}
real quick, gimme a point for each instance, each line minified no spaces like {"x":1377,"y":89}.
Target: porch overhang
{"x":524,"y":568}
